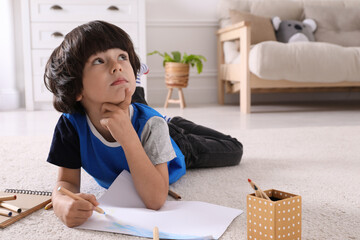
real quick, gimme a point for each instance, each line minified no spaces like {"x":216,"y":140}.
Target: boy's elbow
{"x":156,"y":202}
{"x":155,"y":205}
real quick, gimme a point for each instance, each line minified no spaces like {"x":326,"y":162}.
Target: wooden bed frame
{"x":237,"y":77}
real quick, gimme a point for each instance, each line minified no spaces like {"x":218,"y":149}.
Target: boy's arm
{"x":72,"y":212}
{"x":151,"y":182}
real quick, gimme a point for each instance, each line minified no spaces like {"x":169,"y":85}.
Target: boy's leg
{"x":193,"y":128}
{"x":204,"y":147}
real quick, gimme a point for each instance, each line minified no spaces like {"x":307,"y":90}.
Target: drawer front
{"x":39,"y":60}
{"x":41,"y":93}
{"x":45,"y":35}
{"x":83,"y":10}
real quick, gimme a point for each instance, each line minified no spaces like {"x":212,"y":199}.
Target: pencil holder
{"x":279,"y":219}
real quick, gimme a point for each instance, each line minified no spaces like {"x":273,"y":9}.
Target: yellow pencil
{"x":48,"y":206}
{"x":156,"y":233}
{"x":7,"y":198}
{"x":76,"y":197}
{"x":10,"y":207}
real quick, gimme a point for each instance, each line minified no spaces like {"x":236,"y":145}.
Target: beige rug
{"x":320,"y":164}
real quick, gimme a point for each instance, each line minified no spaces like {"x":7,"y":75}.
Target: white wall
{"x":9,"y":95}
{"x":183,"y":25}
{"x":186,"y":26}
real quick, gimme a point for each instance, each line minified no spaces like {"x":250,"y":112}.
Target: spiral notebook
{"x":29,"y":202}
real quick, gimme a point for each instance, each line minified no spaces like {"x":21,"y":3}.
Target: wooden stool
{"x":180,"y":100}
{"x":176,"y":76}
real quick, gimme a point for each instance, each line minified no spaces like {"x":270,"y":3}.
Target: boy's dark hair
{"x":64,"y":69}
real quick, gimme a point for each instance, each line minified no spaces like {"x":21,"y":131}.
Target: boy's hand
{"x":75,"y":212}
{"x":115,"y":118}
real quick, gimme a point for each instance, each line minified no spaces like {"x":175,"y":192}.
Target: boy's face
{"x":106,"y":75}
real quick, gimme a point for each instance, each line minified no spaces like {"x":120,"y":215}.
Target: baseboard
{"x":156,"y":97}
{"x":9,"y":99}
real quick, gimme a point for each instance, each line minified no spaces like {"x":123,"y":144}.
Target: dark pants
{"x":201,"y":146}
{"x":204,"y":147}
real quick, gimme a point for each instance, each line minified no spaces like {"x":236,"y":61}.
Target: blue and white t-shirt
{"x":76,"y":143}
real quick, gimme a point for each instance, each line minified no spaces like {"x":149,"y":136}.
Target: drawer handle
{"x":113,"y":8}
{"x":56,"y":7}
{"x":57,"y":34}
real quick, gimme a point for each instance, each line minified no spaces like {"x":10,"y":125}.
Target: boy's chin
{"x":120,"y":96}
{"x":118,"y":101}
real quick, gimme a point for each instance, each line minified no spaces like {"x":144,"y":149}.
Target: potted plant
{"x":177,"y":67}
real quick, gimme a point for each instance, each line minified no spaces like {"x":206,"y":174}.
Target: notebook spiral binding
{"x":24,"y":191}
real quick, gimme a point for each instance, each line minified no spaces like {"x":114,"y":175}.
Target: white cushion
{"x":305,"y":62}
{"x":336,"y":25}
{"x":284,"y":9}
{"x":230,"y":52}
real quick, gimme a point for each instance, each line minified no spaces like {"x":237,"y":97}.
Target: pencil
{"x":156,"y":233}
{"x":6,"y":213}
{"x":10,"y":207}
{"x":48,"y":206}
{"x":256,"y":189}
{"x":253,"y":185}
{"x":174,"y":195}
{"x":265,"y":195}
{"x":257,"y":192}
{"x":76,"y":197}
{"x":7,"y":198}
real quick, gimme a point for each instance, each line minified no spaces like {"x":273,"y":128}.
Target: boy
{"x":92,"y":76}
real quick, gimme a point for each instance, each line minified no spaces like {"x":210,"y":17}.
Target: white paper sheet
{"x":126,"y":213}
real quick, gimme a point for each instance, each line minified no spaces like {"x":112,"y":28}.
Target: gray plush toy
{"x":294,"y":31}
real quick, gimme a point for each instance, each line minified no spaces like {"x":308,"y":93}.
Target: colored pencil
{"x":7,"y":198}
{"x":76,"y":197}
{"x":10,"y":207}
{"x":253,"y":185}
{"x":48,"y":206}
{"x":156,"y":233}
{"x":257,"y":192}
{"x":6,"y":213}
{"x":174,"y":195}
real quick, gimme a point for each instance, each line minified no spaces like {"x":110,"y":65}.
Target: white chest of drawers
{"x":46,"y":22}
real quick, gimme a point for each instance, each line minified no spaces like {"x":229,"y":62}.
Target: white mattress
{"x":303,"y":61}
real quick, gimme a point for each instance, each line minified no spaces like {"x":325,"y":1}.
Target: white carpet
{"x":320,"y":164}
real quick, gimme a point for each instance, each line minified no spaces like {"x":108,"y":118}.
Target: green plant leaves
{"x":155,"y":52}
{"x":167,"y":58}
{"x":177,"y":56}
{"x":199,"y":65}
{"x":193,"y":60}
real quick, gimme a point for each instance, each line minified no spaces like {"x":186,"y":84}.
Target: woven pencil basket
{"x":176,"y":74}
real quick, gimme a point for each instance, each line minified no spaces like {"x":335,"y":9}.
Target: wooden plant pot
{"x":176,"y":74}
